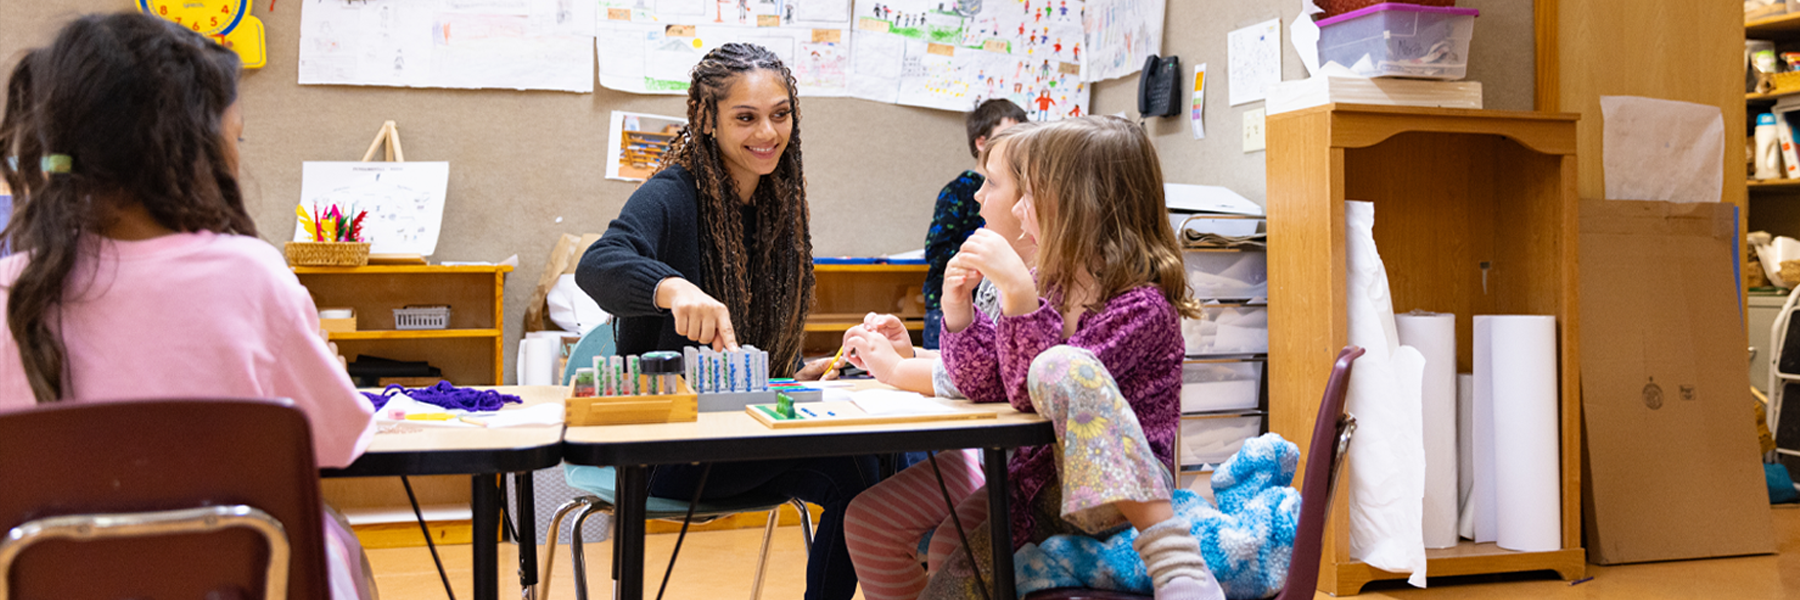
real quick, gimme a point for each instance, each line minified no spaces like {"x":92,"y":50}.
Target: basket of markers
{"x":334,"y":238}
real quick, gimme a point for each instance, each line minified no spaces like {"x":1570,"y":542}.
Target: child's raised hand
{"x":890,"y":327}
{"x":990,"y":255}
{"x":957,"y":300}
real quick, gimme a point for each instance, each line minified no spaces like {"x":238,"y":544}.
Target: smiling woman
{"x":715,"y":249}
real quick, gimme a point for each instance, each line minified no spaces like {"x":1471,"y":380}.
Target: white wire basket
{"x":422,"y":317}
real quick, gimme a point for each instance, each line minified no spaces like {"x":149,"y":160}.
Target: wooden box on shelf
{"x":337,"y":324}
{"x":625,"y":410}
{"x":1476,"y":213}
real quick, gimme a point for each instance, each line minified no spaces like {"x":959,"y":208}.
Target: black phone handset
{"x":1158,"y":85}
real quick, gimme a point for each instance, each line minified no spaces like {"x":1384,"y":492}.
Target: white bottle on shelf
{"x":1768,"y":148}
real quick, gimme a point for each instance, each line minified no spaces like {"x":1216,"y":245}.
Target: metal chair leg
{"x":543,"y":586}
{"x":762,"y":558}
{"x":806,"y":525}
{"x":577,"y":557}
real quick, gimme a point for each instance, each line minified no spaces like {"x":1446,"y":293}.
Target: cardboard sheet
{"x":1673,"y":467}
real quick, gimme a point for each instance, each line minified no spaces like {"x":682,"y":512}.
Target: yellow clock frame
{"x":208,"y":17}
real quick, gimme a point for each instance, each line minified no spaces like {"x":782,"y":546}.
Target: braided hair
{"x":767,"y":285}
{"x":135,"y":103}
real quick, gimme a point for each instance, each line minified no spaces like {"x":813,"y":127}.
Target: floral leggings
{"x":1104,"y":459}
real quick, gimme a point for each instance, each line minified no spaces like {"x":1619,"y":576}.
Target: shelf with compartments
{"x":1224,"y":390}
{"x":1452,"y":189}
{"x":847,"y":292}
{"x":468,"y":350}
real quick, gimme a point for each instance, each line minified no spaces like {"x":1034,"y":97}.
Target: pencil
{"x":834,"y":362}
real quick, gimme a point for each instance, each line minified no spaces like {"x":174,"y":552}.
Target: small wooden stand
{"x":625,"y":410}
{"x":388,"y":137}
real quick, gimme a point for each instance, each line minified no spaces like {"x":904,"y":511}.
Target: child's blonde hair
{"x":1014,"y":165}
{"x":1097,"y":186}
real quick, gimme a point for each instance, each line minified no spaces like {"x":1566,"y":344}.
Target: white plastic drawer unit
{"x":1227,"y":274}
{"x":1228,"y":329}
{"x":1207,"y":441}
{"x":1214,"y":385}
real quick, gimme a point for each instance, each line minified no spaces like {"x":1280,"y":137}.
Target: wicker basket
{"x":328,"y":254}
{"x":1337,"y":7}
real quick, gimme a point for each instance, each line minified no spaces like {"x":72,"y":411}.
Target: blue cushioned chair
{"x":601,"y":483}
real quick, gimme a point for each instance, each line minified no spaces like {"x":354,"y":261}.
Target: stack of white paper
{"x":1335,"y":83}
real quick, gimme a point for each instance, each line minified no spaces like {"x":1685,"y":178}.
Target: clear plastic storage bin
{"x":1227,"y":330}
{"x":1227,"y":275}
{"x":1212,"y":386}
{"x":1207,"y":442}
{"x":1400,"y":40}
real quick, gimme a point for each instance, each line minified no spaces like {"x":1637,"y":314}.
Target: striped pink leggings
{"x":885,"y":523}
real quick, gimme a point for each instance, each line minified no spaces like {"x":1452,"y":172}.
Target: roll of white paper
{"x":1481,"y":496}
{"x":1434,"y":335}
{"x":1527,"y":469}
{"x":1465,"y":453}
{"x":539,"y":361}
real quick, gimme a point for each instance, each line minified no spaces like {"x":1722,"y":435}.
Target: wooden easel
{"x":388,"y":137}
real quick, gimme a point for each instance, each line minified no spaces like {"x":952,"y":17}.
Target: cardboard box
{"x":1671,"y":468}
{"x":343,"y":325}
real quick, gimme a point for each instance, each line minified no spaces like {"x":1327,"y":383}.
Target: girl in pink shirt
{"x":137,"y":273}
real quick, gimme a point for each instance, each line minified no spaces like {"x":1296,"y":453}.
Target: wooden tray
{"x":838,"y":413}
{"x":625,"y":410}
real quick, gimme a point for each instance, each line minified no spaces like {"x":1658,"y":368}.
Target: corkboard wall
{"x":526,"y":166}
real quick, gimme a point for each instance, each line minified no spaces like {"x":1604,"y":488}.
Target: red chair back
{"x":141,"y":456}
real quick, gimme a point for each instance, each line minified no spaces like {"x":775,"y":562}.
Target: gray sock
{"x":1172,"y":557}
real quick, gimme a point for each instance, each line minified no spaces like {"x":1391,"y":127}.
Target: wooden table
{"x":735,"y":436}
{"x":483,"y":454}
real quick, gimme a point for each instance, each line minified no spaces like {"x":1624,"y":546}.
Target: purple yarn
{"x":448,"y":396}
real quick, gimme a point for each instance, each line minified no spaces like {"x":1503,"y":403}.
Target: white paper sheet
{"x":1434,"y":334}
{"x":1387,"y":466}
{"x":1527,"y":463}
{"x":517,"y":44}
{"x":926,"y":53}
{"x":1255,"y":61}
{"x":1121,"y":34}
{"x":879,"y":402}
{"x":1481,"y":495}
{"x":1304,"y":34}
{"x":1465,"y":455}
{"x":405,"y":200}
{"x":1197,"y":106}
{"x":1662,"y":150}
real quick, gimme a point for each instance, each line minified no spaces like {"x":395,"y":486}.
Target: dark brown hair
{"x":1097,"y":186}
{"x":770,"y":291}
{"x":136,"y":103}
{"x":982,"y":121}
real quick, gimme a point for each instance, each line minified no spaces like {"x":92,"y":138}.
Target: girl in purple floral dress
{"x":1091,"y":340}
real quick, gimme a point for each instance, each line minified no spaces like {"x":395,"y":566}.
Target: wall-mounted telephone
{"x":1159,"y":87}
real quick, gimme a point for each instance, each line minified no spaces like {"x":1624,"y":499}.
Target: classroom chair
{"x":600,"y":482}
{"x":160,"y":499}
{"x":1330,"y":439}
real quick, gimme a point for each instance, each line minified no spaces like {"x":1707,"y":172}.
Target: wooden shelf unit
{"x":1452,"y":189}
{"x":469,"y":351}
{"x":848,"y":292}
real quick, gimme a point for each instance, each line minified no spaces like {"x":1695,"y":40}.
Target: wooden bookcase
{"x":846,"y":293}
{"x":1453,"y":190}
{"x":469,"y":351}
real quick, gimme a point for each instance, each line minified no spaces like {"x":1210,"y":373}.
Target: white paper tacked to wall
{"x":405,"y":200}
{"x":1254,"y":55}
{"x":512,"y":44}
{"x":1662,"y":150}
{"x":1121,"y":34}
{"x":954,"y":55}
{"x":653,"y":50}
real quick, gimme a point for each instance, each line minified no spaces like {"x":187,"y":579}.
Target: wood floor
{"x":721,"y":564}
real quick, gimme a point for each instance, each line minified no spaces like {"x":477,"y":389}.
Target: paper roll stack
{"x":1518,"y":484}
{"x":1434,"y":335}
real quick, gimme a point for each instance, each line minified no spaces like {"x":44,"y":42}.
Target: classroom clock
{"x":227,"y":22}
{"x":209,"y":17}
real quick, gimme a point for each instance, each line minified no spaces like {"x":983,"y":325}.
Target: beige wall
{"x":526,"y":166}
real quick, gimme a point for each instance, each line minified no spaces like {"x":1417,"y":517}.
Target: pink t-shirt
{"x":196,"y":315}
